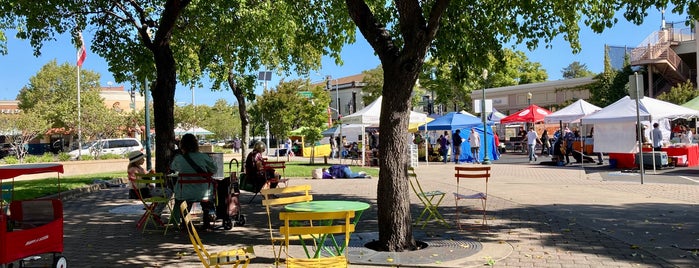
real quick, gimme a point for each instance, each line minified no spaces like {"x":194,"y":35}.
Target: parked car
{"x":7,"y":150}
{"x":108,"y":146}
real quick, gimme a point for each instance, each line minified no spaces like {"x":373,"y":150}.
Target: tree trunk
{"x":239,"y":94}
{"x":163,"y":92}
{"x":393,"y":193}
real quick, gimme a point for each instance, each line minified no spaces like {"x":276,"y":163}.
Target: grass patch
{"x":32,"y":189}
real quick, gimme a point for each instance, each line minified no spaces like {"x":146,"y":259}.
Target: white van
{"x":108,"y":146}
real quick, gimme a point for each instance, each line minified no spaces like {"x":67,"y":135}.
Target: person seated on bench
{"x":344,"y":171}
{"x":254,"y":167}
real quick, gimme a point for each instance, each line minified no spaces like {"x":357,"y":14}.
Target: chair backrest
{"x":414,"y":182}
{"x":302,"y":224}
{"x":194,"y":236}
{"x":195,"y":178}
{"x":286,"y":195}
{"x":274,"y":165}
{"x":477,"y":172}
{"x":148,"y":178}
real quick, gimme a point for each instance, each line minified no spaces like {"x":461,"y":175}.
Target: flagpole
{"x":80,"y":146}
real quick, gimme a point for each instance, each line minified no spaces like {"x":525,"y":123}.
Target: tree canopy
{"x":576,"y":70}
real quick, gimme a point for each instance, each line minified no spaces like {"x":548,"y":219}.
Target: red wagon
{"x":30,"y":227}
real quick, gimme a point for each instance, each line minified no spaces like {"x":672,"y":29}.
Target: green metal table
{"x":329,"y":206}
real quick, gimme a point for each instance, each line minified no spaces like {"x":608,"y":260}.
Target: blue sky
{"x":19,"y":64}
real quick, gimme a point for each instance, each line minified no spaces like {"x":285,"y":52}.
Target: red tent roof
{"x":531,"y":114}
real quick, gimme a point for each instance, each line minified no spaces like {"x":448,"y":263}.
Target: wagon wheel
{"x":60,"y":262}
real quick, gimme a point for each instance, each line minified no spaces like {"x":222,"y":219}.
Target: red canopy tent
{"x":531,"y":114}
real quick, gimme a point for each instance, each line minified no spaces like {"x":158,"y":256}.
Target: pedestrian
{"x":236,"y":145}
{"x":568,"y":139}
{"x":496,"y":138}
{"x":657,"y":137}
{"x":333,"y":147}
{"x":532,"y":140}
{"x":545,"y":143}
{"x":443,"y":147}
{"x":474,"y":140}
{"x":456,"y":143}
{"x":287,"y":146}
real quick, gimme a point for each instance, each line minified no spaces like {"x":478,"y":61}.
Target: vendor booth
{"x":615,"y":127}
{"x":369,"y":116}
{"x":572,"y":114}
{"x":453,"y":121}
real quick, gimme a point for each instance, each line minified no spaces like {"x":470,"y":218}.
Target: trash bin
{"x":218,"y":160}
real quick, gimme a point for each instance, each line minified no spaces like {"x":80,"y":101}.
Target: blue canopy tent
{"x":453,"y":121}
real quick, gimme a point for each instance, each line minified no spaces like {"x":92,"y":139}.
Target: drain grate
{"x":438,"y":250}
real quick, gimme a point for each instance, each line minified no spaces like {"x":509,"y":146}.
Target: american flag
{"x":82,"y":52}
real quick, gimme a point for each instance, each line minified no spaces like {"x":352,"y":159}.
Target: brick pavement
{"x":551,"y":216}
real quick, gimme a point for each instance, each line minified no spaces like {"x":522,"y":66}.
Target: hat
{"x":135,"y":156}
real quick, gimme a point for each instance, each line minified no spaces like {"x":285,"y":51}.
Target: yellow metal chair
{"x":232,"y":257}
{"x":278,"y":197}
{"x":430,"y":200}
{"x":153,"y":205}
{"x":481,"y":173}
{"x":320,"y":226}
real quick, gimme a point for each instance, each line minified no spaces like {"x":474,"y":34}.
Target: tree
{"x":680,"y":93}
{"x":189,"y":116}
{"x":52,"y":93}
{"x":452,"y":88}
{"x":402,"y":33}
{"x":601,"y":88}
{"x":223,"y":120}
{"x":26,"y":126}
{"x":576,"y":70}
{"x":374,"y":84}
{"x":286,"y":37}
{"x":291,"y":110}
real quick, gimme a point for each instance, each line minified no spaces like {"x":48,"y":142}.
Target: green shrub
{"x":47,"y":157}
{"x":31,"y":159}
{"x":111,"y":156}
{"x":63,"y":156}
{"x":11,"y":160}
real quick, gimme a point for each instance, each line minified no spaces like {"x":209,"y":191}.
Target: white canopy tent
{"x":572,"y":113}
{"x":615,"y":125}
{"x":370,"y":114}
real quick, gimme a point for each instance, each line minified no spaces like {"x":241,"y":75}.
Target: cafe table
{"x":329,"y":206}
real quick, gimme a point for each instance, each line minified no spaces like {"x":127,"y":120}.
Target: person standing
{"x":568,"y":139}
{"x":545,"y":143}
{"x":456,"y":142}
{"x":236,"y":145}
{"x":474,"y":140}
{"x":287,"y":145}
{"x":657,"y":137}
{"x":333,"y":147}
{"x":532,"y":140}
{"x":444,"y":146}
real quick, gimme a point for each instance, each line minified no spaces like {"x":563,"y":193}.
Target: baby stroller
{"x":228,"y":193}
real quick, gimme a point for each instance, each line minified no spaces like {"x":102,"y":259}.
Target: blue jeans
{"x":349,"y":174}
{"x":532,"y":153}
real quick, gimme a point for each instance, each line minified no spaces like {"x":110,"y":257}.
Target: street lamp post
{"x":486,"y":160}
{"x":529,"y":103}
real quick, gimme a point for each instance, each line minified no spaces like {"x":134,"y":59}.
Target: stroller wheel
{"x":240,"y":220}
{"x":227,"y":224}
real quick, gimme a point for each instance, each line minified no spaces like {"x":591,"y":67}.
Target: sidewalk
{"x":548,"y":216}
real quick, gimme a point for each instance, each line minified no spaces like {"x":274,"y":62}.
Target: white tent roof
{"x":572,"y":113}
{"x":370,"y":115}
{"x":194,"y":130}
{"x":650,"y":109}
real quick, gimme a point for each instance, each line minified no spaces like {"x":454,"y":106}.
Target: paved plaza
{"x":540,"y":216}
